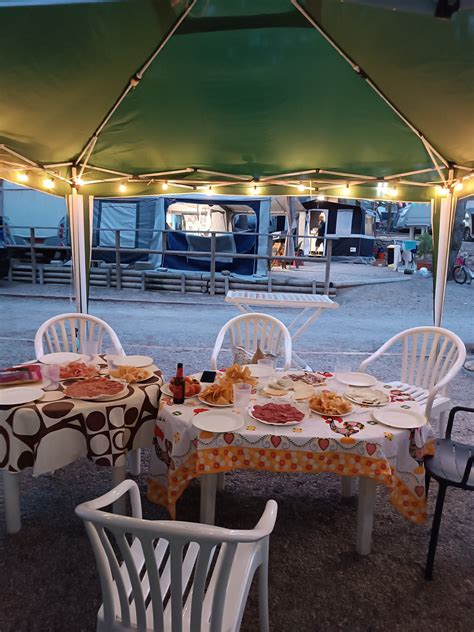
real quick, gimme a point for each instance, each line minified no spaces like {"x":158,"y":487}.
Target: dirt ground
{"x":317,"y":581}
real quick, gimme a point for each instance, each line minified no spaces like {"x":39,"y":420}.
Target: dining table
{"x":352,"y":446}
{"x":56,"y":430}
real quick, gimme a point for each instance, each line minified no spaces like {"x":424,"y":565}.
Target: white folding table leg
{"x":118,"y":475}
{"x":11,"y":489}
{"x":208,"y":498}
{"x":220,"y":481}
{"x":133,"y":459}
{"x":347,"y":486}
{"x":365,"y":515}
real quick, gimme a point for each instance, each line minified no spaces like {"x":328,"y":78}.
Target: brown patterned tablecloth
{"x":56,"y":430}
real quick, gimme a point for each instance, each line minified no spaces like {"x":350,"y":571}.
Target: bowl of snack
{"x":131,"y":374}
{"x":277,"y":413}
{"x":218,"y":394}
{"x":192,"y":387}
{"x":237,"y":373}
{"x":330,"y":404}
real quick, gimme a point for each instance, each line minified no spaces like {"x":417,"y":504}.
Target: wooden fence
{"x":121,"y":276}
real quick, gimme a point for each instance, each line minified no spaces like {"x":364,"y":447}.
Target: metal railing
{"x":34,"y":249}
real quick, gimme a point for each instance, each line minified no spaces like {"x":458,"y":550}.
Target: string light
{"x":301,"y":187}
{"x":122,"y":188}
{"x":22,"y":176}
{"x":321,"y":197}
{"x":459,"y":186}
{"x":164,"y":186}
{"x":49,"y":183}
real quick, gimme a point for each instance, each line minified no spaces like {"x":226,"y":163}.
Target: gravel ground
{"x":317,"y":581}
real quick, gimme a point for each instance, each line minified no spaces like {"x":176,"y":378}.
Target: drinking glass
{"x":50,"y":373}
{"x":268,"y":363}
{"x":111,"y":354}
{"x":90,"y":349}
{"x":242,"y":394}
{"x":342,"y":365}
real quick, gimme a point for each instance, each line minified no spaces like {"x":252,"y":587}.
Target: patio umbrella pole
{"x":81,"y":230}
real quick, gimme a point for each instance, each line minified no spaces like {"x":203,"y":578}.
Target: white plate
{"x":60,"y":358}
{"x":138,"y":361}
{"x":206,"y":403}
{"x":218,"y":421}
{"x":259,"y":370}
{"x":357,"y":396}
{"x":396,"y":417}
{"x":165,"y":389}
{"x":19,"y":395}
{"x":356,"y":379}
{"x":275,"y":423}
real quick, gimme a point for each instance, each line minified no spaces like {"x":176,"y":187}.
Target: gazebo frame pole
{"x":79,"y":223}
{"x":443,"y":218}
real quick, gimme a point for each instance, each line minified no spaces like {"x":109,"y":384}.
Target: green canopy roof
{"x":249,"y":90}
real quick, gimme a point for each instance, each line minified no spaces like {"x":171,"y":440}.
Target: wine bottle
{"x":179,"y":385}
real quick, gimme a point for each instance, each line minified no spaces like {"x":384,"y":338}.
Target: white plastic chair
{"x":68,"y":332}
{"x":250,"y":331}
{"x":431,"y":358}
{"x":177,"y":576}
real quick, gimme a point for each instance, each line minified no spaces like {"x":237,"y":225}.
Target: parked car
{"x":4,"y":253}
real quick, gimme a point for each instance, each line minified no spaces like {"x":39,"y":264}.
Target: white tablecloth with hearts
{"x":354,"y":445}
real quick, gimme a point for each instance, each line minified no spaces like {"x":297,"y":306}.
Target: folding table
{"x":310,"y":305}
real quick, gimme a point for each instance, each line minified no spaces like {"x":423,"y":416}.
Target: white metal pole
{"x":447,"y":211}
{"x":80,"y":255}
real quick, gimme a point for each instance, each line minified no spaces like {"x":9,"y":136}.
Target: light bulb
{"x":49,"y":183}
{"x":442,"y":190}
{"x":122,"y":188}
{"x":392,"y":191}
{"x":209,"y":189}
{"x":459,"y":186}
{"x":254,"y":189}
{"x":23,"y":177}
{"x":164,"y":186}
{"x":301,"y":187}
{"x":321,"y":197}
{"x":346,"y":189}
{"x":79,"y":182}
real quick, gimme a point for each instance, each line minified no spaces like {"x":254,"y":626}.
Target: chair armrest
{"x":467,"y":471}
{"x":87,"y":509}
{"x":268,"y":518}
{"x":452,"y":414}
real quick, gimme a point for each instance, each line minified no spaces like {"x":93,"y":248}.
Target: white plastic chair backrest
{"x":68,"y":332}
{"x":431,"y":357}
{"x":177,"y":556}
{"x":250,"y":331}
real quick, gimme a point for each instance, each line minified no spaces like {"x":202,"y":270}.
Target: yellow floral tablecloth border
{"x":410,"y":503}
